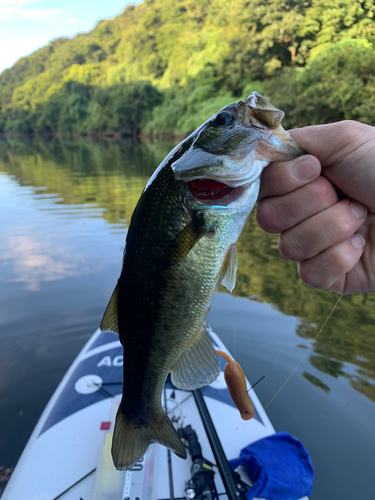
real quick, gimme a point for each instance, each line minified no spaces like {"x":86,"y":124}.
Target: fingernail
{"x":305,"y":170}
{"x":358,"y":241}
{"x":358,"y":210}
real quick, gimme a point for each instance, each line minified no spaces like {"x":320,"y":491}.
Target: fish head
{"x":233,"y":147}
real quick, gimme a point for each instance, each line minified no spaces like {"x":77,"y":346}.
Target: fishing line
{"x":305,"y":353}
{"x":234,"y":324}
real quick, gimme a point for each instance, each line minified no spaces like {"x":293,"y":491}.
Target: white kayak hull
{"x":68,"y":454}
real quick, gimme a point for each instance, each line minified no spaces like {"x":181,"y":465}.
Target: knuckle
{"x":325,"y":192}
{"x":291,"y":247}
{"x":347,"y":126}
{"x":341,"y":260}
{"x":342,"y":224}
{"x":269,"y":216}
{"x":310,"y":273}
{"x":306,"y":276}
{"x":326,"y":268}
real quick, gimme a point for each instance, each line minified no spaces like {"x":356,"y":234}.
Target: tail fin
{"x":131,"y":441}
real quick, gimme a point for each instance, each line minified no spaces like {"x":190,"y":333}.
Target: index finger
{"x":346,"y":151}
{"x":280,"y":178}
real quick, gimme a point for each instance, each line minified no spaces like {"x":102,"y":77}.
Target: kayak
{"x":68,"y":455}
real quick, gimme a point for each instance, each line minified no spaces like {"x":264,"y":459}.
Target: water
{"x":64,"y":209}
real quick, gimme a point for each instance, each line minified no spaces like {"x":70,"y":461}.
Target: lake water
{"x":64,"y":209}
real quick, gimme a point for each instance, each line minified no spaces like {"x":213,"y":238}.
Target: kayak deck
{"x":68,"y":454}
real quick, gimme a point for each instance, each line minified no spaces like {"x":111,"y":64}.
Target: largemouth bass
{"x":180,"y":246}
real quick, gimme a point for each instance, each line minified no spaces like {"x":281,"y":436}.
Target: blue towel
{"x":279,"y":466}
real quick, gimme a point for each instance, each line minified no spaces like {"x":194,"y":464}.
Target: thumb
{"x":346,"y":151}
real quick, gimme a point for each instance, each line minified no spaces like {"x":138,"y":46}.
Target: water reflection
{"x":82,"y":172}
{"x":316,"y":381}
{"x":349,"y":335}
{"x":65,"y":206}
{"x":76,"y":180}
{"x":35,"y":261}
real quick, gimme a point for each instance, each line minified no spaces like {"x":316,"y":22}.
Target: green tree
{"x":329,"y":21}
{"x":199,"y":54}
{"x":338,"y":84}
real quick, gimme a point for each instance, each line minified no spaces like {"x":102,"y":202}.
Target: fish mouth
{"x":212,"y":192}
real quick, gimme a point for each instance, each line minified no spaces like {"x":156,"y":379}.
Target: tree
{"x":338,"y":84}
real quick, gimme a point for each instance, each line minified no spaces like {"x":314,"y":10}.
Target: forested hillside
{"x":164,"y":66}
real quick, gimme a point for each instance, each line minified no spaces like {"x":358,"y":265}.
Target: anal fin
{"x":199,"y":365}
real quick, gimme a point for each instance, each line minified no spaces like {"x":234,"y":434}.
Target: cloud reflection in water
{"x":37,"y":258}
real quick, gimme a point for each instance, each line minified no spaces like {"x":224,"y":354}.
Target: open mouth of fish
{"x":212,"y":192}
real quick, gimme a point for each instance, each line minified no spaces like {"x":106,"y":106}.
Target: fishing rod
{"x":226,"y":473}
{"x":170,"y":472}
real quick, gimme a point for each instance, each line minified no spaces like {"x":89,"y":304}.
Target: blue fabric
{"x":279,"y":467}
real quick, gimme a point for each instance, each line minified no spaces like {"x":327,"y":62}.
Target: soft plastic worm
{"x":236,"y":383}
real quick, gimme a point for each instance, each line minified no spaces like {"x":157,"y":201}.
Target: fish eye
{"x":224,"y":119}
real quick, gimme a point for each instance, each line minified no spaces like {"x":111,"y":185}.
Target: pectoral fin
{"x":199,"y":365}
{"x":185,"y":241}
{"x":229,"y":269}
{"x":110,"y":317}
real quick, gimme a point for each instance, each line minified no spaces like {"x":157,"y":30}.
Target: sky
{"x":27,"y":25}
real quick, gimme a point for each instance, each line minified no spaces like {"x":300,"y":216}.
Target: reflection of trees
{"x":327,"y":365}
{"x":112,"y":175}
{"x":349,"y":335}
{"x":316,"y":381}
{"x":107,"y":173}
{"x":364,"y":386}
{"x":362,"y":382}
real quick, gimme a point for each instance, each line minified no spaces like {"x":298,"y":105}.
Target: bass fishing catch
{"x":180,"y":246}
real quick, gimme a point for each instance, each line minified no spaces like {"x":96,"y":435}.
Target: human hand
{"x":332,"y":239}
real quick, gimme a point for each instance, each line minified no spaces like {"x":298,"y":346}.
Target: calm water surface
{"x":65,"y":206}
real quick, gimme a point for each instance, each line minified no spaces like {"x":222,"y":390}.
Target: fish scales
{"x":179,"y":247}
{"x":163,"y":304}
{"x":158,"y":305}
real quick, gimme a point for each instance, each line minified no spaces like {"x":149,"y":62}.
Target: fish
{"x":236,"y":383}
{"x":180,"y":246}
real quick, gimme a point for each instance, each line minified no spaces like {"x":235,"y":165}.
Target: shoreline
{"x":116,"y":136}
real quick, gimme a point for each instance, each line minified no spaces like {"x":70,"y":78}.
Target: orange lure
{"x":236,"y":383}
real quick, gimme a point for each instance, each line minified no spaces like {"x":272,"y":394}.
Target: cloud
{"x":72,"y":20}
{"x":14,"y":9}
{"x":10,"y":7}
{"x":10,"y":3}
{"x":38,"y":14}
